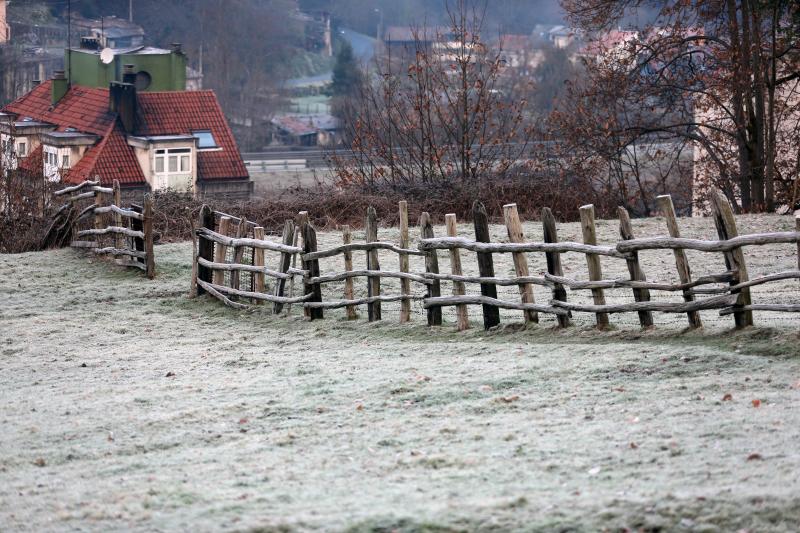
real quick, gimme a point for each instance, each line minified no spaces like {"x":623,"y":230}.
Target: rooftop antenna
{"x":69,"y":42}
{"x":130,"y":10}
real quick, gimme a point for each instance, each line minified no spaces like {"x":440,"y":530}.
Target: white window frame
{"x":164,"y":154}
{"x":56,"y":159}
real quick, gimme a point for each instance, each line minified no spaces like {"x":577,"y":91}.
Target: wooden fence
{"x":93,"y":218}
{"x":230,"y":265}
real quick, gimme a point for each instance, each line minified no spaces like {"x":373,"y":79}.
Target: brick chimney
{"x":122,"y":101}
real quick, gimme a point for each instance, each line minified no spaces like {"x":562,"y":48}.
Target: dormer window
{"x":174,"y":161}
{"x":22,"y":149}
{"x":205,"y":140}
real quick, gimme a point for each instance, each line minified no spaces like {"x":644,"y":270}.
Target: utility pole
{"x":69,"y":42}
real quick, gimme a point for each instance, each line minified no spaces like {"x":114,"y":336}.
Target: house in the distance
{"x":111,"y":32}
{"x":5,"y":29}
{"x":156,"y":140}
{"x":319,"y":129}
{"x":404,"y":41}
{"x":518,"y":52}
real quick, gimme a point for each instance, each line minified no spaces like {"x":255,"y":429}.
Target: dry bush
{"x":330,"y":207}
{"x":25,"y":211}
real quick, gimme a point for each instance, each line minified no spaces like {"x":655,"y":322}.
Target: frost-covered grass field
{"x":124,"y":405}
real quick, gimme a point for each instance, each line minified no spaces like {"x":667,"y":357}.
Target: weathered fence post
{"x":258,"y":260}
{"x":550,"y":235}
{"x":434,"y":290}
{"x":137,"y":243}
{"x":514,"y":228}
{"x":147,"y":226}
{"x":287,"y":238}
{"x":312,"y":266}
{"x":459,"y":289}
{"x":205,"y":248}
{"x":726,"y":229}
{"x":797,"y":229}
{"x":347,"y":238}
{"x":373,"y":282}
{"x":681,"y":261}
{"x":220,"y":250}
{"x":405,"y":284}
{"x":98,"y":218}
{"x":634,"y":268}
{"x":238,"y":255}
{"x":593,"y":261}
{"x":491,"y":313}
{"x":296,"y":243}
{"x":119,"y":239}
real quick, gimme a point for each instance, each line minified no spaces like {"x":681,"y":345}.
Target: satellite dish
{"x":107,"y":56}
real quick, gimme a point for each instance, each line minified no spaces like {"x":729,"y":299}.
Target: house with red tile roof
{"x":177,"y":140}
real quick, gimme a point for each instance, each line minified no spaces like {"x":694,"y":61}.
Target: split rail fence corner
{"x":93,"y":218}
{"x":230,"y":264}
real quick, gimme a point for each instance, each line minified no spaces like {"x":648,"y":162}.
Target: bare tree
{"x":722,"y":74}
{"x":437,"y":116}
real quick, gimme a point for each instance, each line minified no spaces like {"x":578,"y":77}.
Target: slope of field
{"x":124,"y":405}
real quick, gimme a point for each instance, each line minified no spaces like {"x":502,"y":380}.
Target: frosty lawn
{"x":124,"y":405}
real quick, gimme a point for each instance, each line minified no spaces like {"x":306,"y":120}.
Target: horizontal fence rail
{"x":231,"y":264}
{"x":126,"y":234}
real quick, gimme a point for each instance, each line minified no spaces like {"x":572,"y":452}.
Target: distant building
{"x":22,"y":68}
{"x":611,"y":45}
{"x":147,"y":140}
{"x":110,"y":32}
{"x":5,"y":29}
{"x":556,"y":35}
{"x":519,"y":52}
{"x":402,"y":41}
{"x":561,"y":36}
{"x":194,"y":79}
{"x":317,"y":30}
{"x":306,"y":130}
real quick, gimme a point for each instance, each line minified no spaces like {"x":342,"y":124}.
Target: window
{"x":205,"y":139}
{"x":173,"y":161}
{"x":22,"y":148}
{"x":65,"y":161}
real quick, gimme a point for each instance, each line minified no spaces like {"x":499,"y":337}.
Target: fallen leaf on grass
{"x":619,"y":389}
{"x":728,"y":397}
{"x":170,"y":375}
{"x":755,"y":457}
{"x":756,"y":403}
{"x":39,"y":462}
{"x":360,"y":407}
{"x":508,"y":399}
{"x":243,"y":421}
{"x":634,"y":446}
